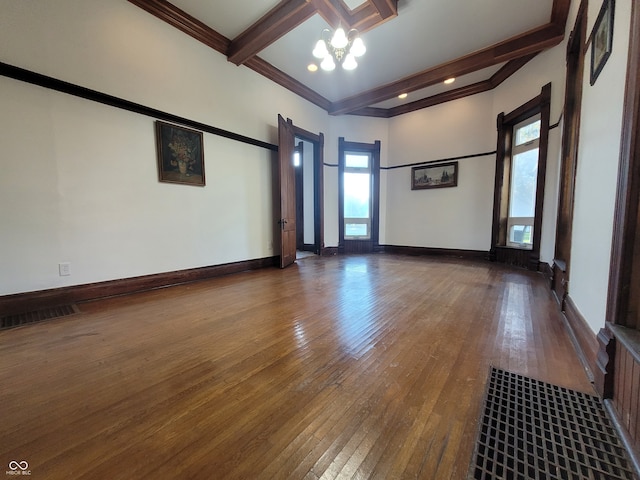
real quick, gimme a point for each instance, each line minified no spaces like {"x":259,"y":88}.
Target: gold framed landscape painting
{"x":180,"y":154}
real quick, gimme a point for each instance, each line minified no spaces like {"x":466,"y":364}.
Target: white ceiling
{"x":426,"y":33}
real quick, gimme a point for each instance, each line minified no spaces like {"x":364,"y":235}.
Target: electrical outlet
{"x":64,"y":269}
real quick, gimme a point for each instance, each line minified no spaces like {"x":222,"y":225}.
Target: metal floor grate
{"x":533,"y":430}
{"x":19,"y":319}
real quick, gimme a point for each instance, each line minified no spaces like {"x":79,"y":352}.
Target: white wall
{"x":79,"y":179}
{"x":597,"y":169}
{"x":460,"y":217}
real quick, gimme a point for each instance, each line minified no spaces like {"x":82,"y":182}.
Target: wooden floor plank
{"x":363,"y":367}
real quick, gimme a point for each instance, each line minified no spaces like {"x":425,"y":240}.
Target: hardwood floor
{"x":342,"y":367}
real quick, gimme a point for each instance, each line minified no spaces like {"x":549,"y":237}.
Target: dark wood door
{"x":286,"y":175}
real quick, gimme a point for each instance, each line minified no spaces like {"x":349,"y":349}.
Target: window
{"x":357,"y":196}
{"x":521,"y":162}
{"x":359,"y":170}
{"x":523,"y":183}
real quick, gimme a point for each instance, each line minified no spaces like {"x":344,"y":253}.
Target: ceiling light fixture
{"x":402,"y":96}
{"x":341,"y":47}
{"x":449,"y":81}
{"x":312,"y":67}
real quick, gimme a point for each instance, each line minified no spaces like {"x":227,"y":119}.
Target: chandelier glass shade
{"x":341,"y":47}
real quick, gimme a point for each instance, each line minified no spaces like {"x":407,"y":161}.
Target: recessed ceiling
{"x":411,"y":47}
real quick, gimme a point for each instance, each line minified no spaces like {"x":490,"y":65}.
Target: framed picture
{"x":434,"y":176}
{"x":601,"y":39}
{"x":180,"y":154}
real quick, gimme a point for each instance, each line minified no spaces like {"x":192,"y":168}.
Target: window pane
{"x":355,"y":160}
{"x":356,"y":230}
{"x":296,"y":159}
{"x":524,"y":177}
{"x":521,"y":234}
{"x":527,"y":133}
{"x":356,"y":195}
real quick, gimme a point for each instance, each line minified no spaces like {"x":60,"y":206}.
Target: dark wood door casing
{"x":570,"y":141}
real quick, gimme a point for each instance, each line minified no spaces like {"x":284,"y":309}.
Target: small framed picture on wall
{"x":180,"y":154}
{"x":434,"y":176}
{"x":601,"y":39}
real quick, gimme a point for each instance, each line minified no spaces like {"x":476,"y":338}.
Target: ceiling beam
{"x":560,"y":13}
{"x":185,"y":23}
{"x":483,"y":86}
{"x":525,"y":44}
{"x":278,"y":76}
{"x":279,"y":21}
{"x":386,"y":8}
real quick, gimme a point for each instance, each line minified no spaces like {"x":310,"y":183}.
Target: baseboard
{"x":583,"y":338}
{"x":547,"y":271}
{"x":444,"y":252}
{"x":329,"y":251}
{"x":31,"y":301}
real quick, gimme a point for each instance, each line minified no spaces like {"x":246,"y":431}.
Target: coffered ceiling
{"x":412,"y":45}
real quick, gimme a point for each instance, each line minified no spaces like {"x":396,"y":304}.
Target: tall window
{"x":523,"y":183}
{"x":359,"y":171}
{"x":357,"y":196}
{"x":521,"y":162}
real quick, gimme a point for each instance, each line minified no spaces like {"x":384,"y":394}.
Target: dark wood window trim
{"x":373,"y":244}
{"x":505,"y":123}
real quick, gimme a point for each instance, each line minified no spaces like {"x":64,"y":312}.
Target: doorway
{"x":300,"y":184}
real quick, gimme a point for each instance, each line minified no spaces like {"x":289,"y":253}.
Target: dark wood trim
{"x":626,"y":227}
{"x":429,"y":162}
{"x":76,"y":90}
{"x":560,"y":13}
{"x":547,"y":271}
{"x":372,"y":244}
{"x":522,"y":45}
{"x":280,"y":20}
{"x":586,"y":342}
{"x":318,"y":179}
{"x":32,"y":301}
{"x":429,"y":251}
{"x":569,"y":149}
{"x":184,"y":22}
{"x":603,"y":375}
{"x":499,"y":250}
{"x":479,"y":87}
{"x":289,"y":14}
{"x":267,"y":70}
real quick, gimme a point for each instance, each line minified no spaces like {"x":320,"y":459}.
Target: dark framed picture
{"x":601,"y":39}
{"x":180,"y":154}
{"x":434,"y":176}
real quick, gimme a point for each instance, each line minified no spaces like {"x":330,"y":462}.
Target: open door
{"x":286,"y":175}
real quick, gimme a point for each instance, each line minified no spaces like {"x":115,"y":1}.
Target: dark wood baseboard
{"x":444,"y":252}
{"x":33,"y":301}
{"x":329,"y":251}
{"x":547,"y":271}
{"x":584,"y":339}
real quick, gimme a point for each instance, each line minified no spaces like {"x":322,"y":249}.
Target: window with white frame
{"x":523,"y":183}
{"x":357,"y":198}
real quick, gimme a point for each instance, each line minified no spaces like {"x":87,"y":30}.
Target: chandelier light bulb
{"x":357,"y":48}
{"x":349,"y":62}
{"x":328,"y":64}
{"x":320,"y":51}
{"x":340,"y":48}
{"x":339,"y":39}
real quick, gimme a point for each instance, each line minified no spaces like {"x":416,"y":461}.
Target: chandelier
{"x":342,"y":48}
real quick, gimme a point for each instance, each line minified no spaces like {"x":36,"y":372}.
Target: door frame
{"x":317,"y":140}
